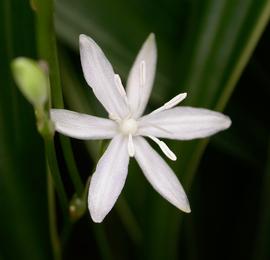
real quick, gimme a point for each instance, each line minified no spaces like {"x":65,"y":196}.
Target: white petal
{"x":183,"y":123}
{"x":82,"y":126}
{"x":100,"y":76}
{"x":108,"y":180}
{"x":141,"y":77}
{"x":160,"y":175}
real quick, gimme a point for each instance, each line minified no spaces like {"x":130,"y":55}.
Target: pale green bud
{"x":31,"y":80}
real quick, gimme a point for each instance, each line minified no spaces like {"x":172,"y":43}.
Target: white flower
{"x":128,"y":128}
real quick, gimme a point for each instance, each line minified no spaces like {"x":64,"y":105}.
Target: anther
{"x":165,"y":149}
{"x":120,"y":87}
{"x":175,"y":101}
{"x":171,"y":103}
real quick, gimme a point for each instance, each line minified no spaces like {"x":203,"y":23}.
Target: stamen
{"x":175,"y":101}
{"x":171,"y":103}
{"x":142,"y":73}
{"x":165,"y":149}
{"x":120,"y":87}
{"x":131,"y":149}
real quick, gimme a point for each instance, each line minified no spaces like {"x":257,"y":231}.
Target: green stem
{"x":53,"y":165}
{"x":77,"y":214}
{"x":46,"y":43}
{"x":102,"y":242}
{"x":52,"y":218}
{"x":47,"y":49}
{"x":128,"y":220}
{"x":71,"y":165}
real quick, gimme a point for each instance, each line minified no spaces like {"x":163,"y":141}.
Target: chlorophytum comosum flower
{"x":128,"y":129}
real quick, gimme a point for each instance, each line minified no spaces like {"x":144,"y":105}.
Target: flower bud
{"x":31,"y":80}
{"x":77,"y":208}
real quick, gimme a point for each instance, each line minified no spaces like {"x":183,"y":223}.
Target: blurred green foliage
{"x":203,"y":48}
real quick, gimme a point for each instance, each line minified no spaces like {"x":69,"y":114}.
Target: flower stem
{"x":128,"y":219}
{"x":52,"y":218}
{"x":102,"y":242}
{"x":56,"y":177}
{"x":71,"y":165}
{"x":47,"y":49}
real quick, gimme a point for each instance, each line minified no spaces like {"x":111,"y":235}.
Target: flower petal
{"x":108,"y":180}
{"x":183,"y":123}
{"x":100,"y":76}
{"x":82,"y":126}
{"x":160,"y":175}
{"x":141,"y":77}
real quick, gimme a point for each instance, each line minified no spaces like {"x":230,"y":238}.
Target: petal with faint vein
{"x":160,"y":175}
{"x":183,"y":123}
{"x":108,"y":180}
{"x":82,"y":126}
{"x":100,"y":76}
{"x":138,"y":95}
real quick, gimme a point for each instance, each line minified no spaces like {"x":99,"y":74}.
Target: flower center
{"x":128,"y":126}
